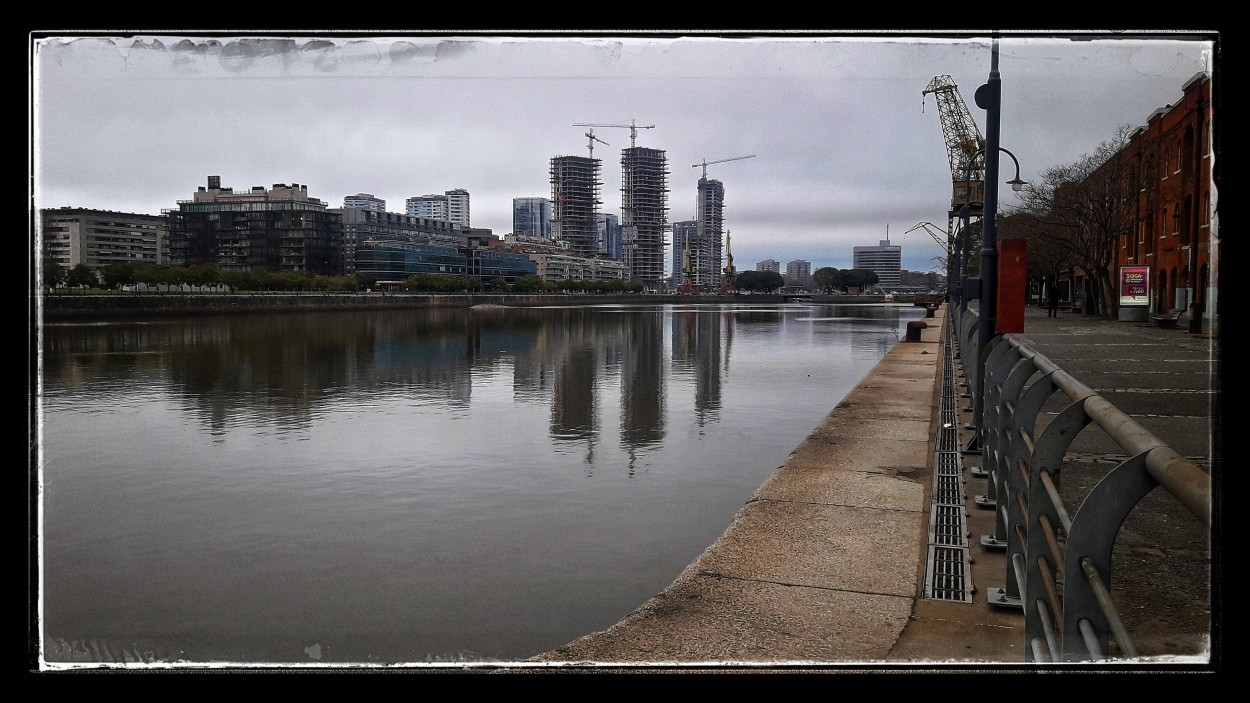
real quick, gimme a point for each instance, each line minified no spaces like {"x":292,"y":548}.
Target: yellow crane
{"x":633,"y":128}
{"x":728,"y":287}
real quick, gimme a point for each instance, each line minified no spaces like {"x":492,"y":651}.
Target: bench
{"x":1169,"y":318}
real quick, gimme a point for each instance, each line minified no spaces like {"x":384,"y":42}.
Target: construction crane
{"x":687,"y":285}
{"x":965,"y":147}
{"x":632,"y":127}
{"x":707,"y":163}
{"x":591,"y":136}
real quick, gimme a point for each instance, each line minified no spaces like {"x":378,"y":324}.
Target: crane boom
{"x":632,"y":127}
{"x":926,"y":226}
{"x":706,"y":163}
{"x":592,"y":139}
{"x":965,"y":147}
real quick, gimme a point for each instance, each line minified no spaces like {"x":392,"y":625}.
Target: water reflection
{"x":412,"y":485}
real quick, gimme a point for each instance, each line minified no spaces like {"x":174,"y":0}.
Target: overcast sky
{"x":845,"y":146}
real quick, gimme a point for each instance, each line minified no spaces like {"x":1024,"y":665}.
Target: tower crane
{"x":632,"y":127}
{"x":591,"y":136}
{"x":707,"y":163}
{"x":965,"y":147}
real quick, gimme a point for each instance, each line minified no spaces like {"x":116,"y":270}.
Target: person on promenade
{"x":1052,"y":301}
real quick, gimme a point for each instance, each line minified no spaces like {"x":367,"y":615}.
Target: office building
{"x":277,"y":229}
{"x":364,"y":201}
{"x":644,"y":213}
{"x":70,"y":236}
{"x":684,"y":232}
{"x":531,"y":217}
{"x":575,"y":202}
{"x":885,"y":259}
{"x":768,"y":265}
{"x":361,"y":225}
{"x":610,"y":232}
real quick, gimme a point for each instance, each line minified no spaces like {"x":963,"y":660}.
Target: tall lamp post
{"x":988,"y":98}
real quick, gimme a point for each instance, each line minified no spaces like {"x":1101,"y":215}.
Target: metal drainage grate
{"x":949,"y":575}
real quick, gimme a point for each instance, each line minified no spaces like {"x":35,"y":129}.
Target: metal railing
{"x":1059,"y":558}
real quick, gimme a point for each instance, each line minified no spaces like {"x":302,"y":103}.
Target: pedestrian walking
{"x":1052,"y":301}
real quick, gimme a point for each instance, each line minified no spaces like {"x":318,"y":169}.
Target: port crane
{"x":707,"y":163}
{"x":946,"y":240}
{"x":965,"y":147}
{"x":633,"y":128}
{"x":727,"y":287}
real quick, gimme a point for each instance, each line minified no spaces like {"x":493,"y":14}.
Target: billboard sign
{"x":1134,"y":286}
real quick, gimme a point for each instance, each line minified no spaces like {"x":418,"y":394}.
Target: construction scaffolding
{"x":575,"y":203}
{"x":644,"y":213}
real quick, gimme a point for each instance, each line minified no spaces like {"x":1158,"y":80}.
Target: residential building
{"x":458,"y":206}
{"x":885,"y":260}
{"x":276,"y":229}
{"x":364,"y":201}
{"x":531,"y":217}
{"x":644,"y":213}
{"x":555,"y":261}
{"x":575,"y":201}
{"x":706,"y":248}
{"x":768,"y":265}
{"x":431,"y":207}
{"x":70,"y":236}
{"x":799,"y":273}
{"x":361,"y":225}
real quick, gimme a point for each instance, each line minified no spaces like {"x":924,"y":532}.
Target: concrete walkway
{"x":824,"y":565}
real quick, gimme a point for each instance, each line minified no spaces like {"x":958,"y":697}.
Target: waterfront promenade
{"x":824,"y":567}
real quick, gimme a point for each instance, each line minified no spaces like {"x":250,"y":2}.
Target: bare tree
{"x":1078,"y":212}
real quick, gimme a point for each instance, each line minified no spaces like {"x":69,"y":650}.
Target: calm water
{"x":415,"y":486}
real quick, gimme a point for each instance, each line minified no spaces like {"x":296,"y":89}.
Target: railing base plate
{"x":997,"y":597}
{"x":992,"y":542}
{"x":978,"y":472}
{"x":985,"y":502}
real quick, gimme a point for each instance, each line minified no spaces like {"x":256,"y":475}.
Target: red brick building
{"x":1173,"y":229}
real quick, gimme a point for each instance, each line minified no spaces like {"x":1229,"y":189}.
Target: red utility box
{"x":1013,"y":285}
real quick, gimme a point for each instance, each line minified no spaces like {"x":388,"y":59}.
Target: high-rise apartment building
{"x":768,"y":265}
{"x":644,"y":213}
{"x":575,"y":201}
{"x":70,"y":236}
{"x":707,"y":246}
{"x":364,"y":201}
{"x":453,"y":206}
{"x":798,"y":272}
{"x":885,"y":259}
{"x":458,"y":206}
{"x":531,"y":217}
{"x":276,"y":229}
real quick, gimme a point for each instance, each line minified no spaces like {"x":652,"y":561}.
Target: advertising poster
{"x":1134,"y":285}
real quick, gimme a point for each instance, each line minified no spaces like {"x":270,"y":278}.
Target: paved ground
{"x":823,"y":569}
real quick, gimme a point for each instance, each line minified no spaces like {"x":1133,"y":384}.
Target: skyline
{"x":847,"y":149}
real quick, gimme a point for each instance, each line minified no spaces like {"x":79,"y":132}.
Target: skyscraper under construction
{"x":644,"y":213}
{"x":705,"y":245}
{"x":574,"y":203}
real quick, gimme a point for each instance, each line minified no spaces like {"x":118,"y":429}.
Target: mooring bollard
{"x":930,"y":311}
{"x":913,"y":330}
